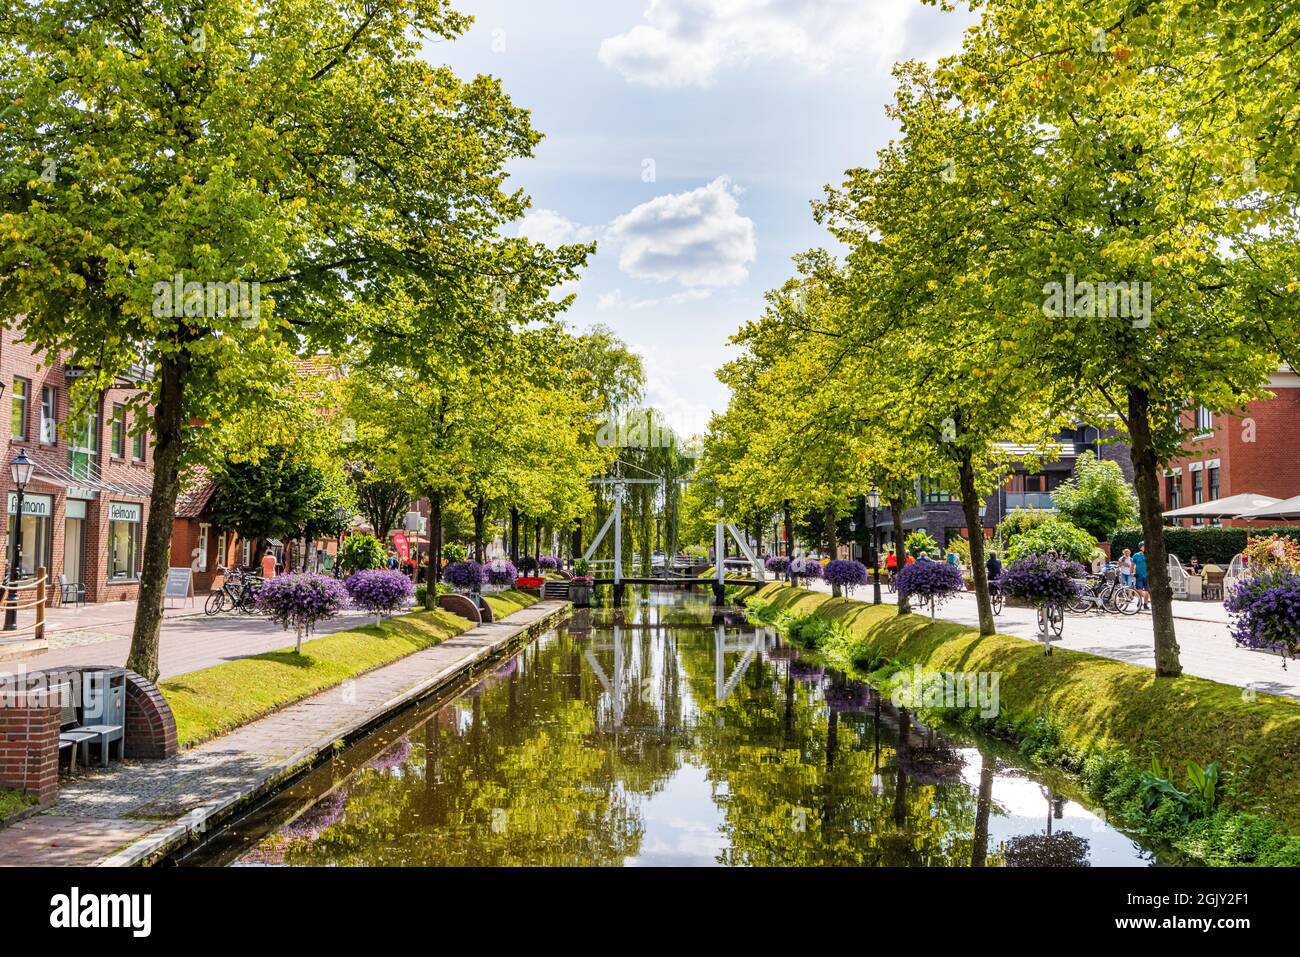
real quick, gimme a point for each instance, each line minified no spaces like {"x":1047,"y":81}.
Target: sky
{"x":688,"y":138}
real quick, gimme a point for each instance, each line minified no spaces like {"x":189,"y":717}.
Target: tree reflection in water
{"x":662,"y":733}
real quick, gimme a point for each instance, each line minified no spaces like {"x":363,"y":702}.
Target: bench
{"x":104,"y":713}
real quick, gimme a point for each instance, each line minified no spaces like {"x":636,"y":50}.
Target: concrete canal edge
{"x":514,"y":630}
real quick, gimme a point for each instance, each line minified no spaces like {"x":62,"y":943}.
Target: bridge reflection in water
{"x":671,"y":733}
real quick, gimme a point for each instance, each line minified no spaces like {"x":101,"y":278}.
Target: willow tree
{"x":302,"y":148}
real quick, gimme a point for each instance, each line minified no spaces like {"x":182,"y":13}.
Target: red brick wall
{"x":29,"y":742}
{"x":1258,"y":451}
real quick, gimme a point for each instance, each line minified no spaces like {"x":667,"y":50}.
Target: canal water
{"x":670,"y":733}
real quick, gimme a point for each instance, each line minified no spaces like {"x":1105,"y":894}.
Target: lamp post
{"x":873,"y":499}
{"x":20,"y":471}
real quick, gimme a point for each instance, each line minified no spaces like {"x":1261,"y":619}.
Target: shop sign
{"x":42,"y":506}
{"x":123,"y":512}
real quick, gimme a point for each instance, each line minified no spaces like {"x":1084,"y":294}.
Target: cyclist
{"x":994,"y":566}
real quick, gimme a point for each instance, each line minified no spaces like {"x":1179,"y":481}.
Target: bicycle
{"x":238,"y":591}
{"x":1051,"y":620}
{"x":1105,"y":594}
{"x":996,"y":598}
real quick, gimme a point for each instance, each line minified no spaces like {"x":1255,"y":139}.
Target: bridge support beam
{"x":618,"y":594}
{"x":719,"y":594}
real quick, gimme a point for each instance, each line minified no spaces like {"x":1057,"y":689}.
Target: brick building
{"x":1257,"y":451}
{"x":85,"y":508}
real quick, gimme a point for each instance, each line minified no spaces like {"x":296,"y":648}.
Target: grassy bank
{"x":508,"y":602}
{"x":216,"y":700}
{"x":1102,"y":718}
{"x":11,"y":802}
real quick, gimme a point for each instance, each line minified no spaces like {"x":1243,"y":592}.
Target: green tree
{"x":1096,"y":498}
{"x":276,"y":496}
{"x":303,"y":147}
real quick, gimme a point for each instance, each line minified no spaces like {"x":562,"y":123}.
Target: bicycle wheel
{"x":1124,"y":600}
{"x":216,"y":603}
{"x":1080,"y":604}
{"x":997,"y":601}
{"x":1056,"y":618}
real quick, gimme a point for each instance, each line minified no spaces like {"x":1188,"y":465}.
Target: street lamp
{"x":20,"y":471}
{"x":873,"y":499}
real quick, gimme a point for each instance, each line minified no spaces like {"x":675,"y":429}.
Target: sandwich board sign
{"x":180,"y":583}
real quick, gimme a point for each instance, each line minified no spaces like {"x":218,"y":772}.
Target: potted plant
{"x":1046,"y":582}
{"x":805,"y":568}
{"x":778,"y":565}
{"x":501,"y":572}
{"x":465,"y":576}
{"x":580,"y":584}
{"x":1265,"y":603}
{"x":300,"y":601}
{"x":934,"y":582}
{"x":846,"y":574}
{"x":379,"y":591}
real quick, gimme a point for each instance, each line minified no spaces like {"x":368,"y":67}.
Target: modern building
{"x":1256,"y":450}
{"x":85,"y":508}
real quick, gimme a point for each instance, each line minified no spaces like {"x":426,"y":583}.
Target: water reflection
{"x":673,"y":734}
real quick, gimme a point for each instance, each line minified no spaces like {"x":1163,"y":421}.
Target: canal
{"x":670,"y":733}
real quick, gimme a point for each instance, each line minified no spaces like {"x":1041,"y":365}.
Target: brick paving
{"x":155,"y":803}
{"x":188,"y":643}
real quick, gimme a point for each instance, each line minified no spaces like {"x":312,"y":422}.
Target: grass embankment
{"x":508,"y":602}
{"x":11,"y":802}
{"x":1103,"y":718}
{"x":216,"y":700}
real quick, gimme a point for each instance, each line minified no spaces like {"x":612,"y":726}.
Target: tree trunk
{"x":970,"y":507}
{"x":900,"y":553}
{"x":1146,"y":478}
{"x":983,"y":805}
{"x":480,"y":517}
{"x":789,"y":531}
{"x":514,"y":535}
{"x":832,"y":544}
{"x":435,"y":550}
{"x":167,"y":422}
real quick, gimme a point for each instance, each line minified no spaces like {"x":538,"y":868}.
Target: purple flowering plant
{"x":300,"y":601}
{"x":806,"y":568}
{"x":501,"y":571}
{"x":379,"y":591}
{"x":465,"y":576}
{"x":1038,"y":579}
{"x":846,"y":573}
{"x":1265,"y":610}
{"x":934,"y":582}
{"x":778,"y":564}
{"x":549,"y":563}
{"x":528,"y":564}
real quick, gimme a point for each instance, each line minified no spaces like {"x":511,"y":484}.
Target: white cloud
{"x":688,"y":42}
{"x":552,"y":229}
{"x":698,"y":238}
{"x":616,"y":300}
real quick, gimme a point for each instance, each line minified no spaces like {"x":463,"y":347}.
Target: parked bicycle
{"x":1105,"y":593}
{"x":238,"y":592}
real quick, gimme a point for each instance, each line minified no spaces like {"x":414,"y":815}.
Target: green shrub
{"x":454,"y":552}
{"x":1068,"y":541}
{"x":1210,"y":544}
{"x":920,"y":541}
{"x":360,"y":552}
{"x":1018,"y":521}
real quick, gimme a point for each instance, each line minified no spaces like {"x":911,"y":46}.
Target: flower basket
{"x":934,"y":582}
{"x":1265,"y":610}
{"x":379,"y":591}
{"x":465,"y":576}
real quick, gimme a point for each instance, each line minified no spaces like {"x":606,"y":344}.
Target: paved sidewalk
{"x":1206,"y":647}
{"x":137,"y":809}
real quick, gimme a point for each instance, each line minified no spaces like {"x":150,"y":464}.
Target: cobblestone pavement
{"x":1206,"y":648}
{"x":161,"y":799}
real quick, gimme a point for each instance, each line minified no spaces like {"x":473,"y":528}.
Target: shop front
{"x":36,"y":526}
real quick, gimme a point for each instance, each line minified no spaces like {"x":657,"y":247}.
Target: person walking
{"x":1140,"y":577}
{"x":268,"y":565}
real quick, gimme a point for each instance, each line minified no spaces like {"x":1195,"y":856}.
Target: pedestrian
{"x":268,"y":565}
{"x":1140,"y":577}
{"x":953,"y":560}
{"x":1126,"y":567}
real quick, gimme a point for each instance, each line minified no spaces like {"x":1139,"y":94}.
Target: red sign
{"x":402,"y":545}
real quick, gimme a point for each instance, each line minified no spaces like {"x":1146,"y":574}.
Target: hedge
{"x":1211,"y":544}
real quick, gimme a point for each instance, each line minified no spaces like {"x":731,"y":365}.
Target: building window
{"x":137,"y":443}
{"x":1212,"y":479}
{"x":1204,"y":420}
{"x":83,"y":449}
{"x":1174,"y":491}
{"x":119,"y":429}
{"x":123,"y":541}
{"x":932,"y":492}
{"x":246,"y":553}
{"x":49,"y":415}
{"x":201,"y":559}
{"x":18,"y":406}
